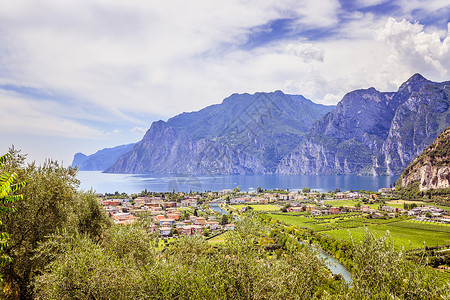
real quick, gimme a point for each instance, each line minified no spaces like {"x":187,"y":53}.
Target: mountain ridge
{"x":367,"y":133}
{"x":245,"y":134}
{"x":367,"y":127}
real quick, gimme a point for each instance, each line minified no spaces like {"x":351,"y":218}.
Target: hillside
{"x":245,"y":134}
{"x":101,"y":159}
{"x":373,"y":133}
{"x":431,"y":169}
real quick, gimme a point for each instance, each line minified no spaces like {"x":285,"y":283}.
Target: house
{"x":389,"y":208}
{"x":296,"y":209}
{"x":166,"y":222}
{"x":124,"y":219}
{"x":114,"y":202}
{"x":213,"y":225}
{"x":334,"y":210}
{"x":310,"y":207}
{"x":341,"y":195}
{"x":169,"y":204}
{"x":229,"y":227}
{"x":263,"y":201}
{"x":365,"y":208}
{"x":165,"y":231}
{"x":385,"y":190}
{"x":316,"y":212}
{"x":189,"y":202}
{"x":200,"y":221}
{"x":173,"y":216}
{"x":192,"y":229}
{"x":284,"y":197}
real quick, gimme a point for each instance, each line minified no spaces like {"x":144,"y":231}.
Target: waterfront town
{"x":173,"y":214}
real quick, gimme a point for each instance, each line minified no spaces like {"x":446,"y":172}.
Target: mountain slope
{"x":371,"y":132}
{"x":100,"y":160}
{"x":245,"y":134}
{"x":431,"y":169}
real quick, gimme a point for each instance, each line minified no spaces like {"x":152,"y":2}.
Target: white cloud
{"x":305,"y":51}
{"x":116,"y":63}
{"x":414,"y":50}
{"x":138,"y":130}
{"x":22,"y":116}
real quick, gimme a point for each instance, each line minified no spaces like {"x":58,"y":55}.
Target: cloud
{"x":90,"y":67}
{"x":413,"y":49}
{"x":23,"y":116}
{"x":305,"y":51}
{"x":138,"y":130}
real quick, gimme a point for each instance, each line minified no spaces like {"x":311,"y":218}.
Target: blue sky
{"x":80,"y":76}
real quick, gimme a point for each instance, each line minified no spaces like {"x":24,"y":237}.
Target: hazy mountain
{"x":100,"y":160}
{"x":372,"y":132}
{"x":245,"y":134}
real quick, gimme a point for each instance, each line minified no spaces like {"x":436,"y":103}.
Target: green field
{"x":300,"y":221}
{"x":405,"y":233}
{"x":219,"y":238}
{"x":409,"y":237}
{"x":338,"y":203}
{"x":259,"y":207}
{"x":393,"y":203}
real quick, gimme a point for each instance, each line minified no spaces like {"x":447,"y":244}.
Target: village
{"x":174,"y":214}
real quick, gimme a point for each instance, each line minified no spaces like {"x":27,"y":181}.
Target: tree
{"x":259,"y":190}
{"x":7,"y":195}
{"x":224,"y":220}
{"x":206,"y":232}
{"x":50,"y":204}
{"x":306,"y":190}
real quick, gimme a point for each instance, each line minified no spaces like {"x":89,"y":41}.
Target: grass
{"x":412,"y":236}
{"x":300,"y":221}
{"x":405,"y":233}
{"x":338,"y":203}
{"x":259,"y":207}
{"x":399,"y":203}
{"x":219,"y":238}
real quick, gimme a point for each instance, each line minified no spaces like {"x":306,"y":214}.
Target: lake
{"x":132,"y":183}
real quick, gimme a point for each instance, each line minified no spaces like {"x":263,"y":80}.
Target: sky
{"x":79,"y":76}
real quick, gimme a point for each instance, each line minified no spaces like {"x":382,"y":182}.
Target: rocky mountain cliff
{"x":245,"y":134}
{"x":100,"y":160}
{"x":373,"y":133}
{"x":431,"y":169}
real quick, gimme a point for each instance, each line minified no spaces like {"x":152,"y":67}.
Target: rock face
{"x":431,"y":169}
{"x":245,"y":134}
{"x":100,"y":160}
{"x":373,"y":133}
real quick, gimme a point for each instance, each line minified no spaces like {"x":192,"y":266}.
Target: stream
{"x":332,"y":263}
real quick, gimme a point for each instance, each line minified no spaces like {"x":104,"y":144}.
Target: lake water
{"x":131,"y":183}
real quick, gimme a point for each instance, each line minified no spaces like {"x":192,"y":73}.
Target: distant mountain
{"x":431,"y":169}
{"x":245,"y":134}
{"x":373,"y":133}
{"x":100,"y":160}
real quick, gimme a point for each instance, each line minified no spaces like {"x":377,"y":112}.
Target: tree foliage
{"x":50,"y":204}
{"x":8,"y":189}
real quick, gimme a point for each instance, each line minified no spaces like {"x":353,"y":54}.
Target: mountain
{"x":100,"y":160}
{"x":373,"y":133}
{"x":245,"y":134}
{"x":431,"y":169}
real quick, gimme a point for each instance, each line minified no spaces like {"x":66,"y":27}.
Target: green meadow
{"x":405,"y":233}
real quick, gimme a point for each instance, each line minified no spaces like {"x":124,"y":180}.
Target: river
{"x":332,"y":263}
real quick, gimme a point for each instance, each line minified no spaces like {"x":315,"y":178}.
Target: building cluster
{"x":430,"y":212}
{"x":166,"y":215}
